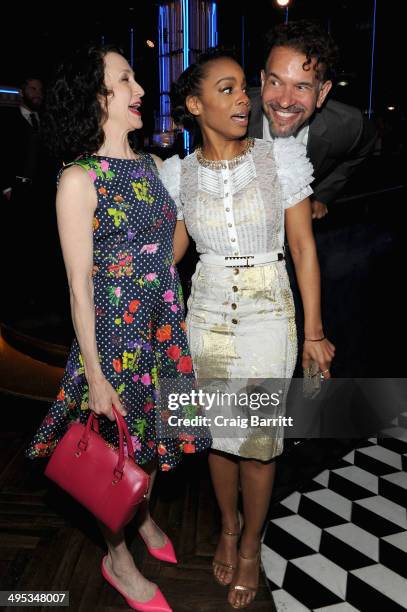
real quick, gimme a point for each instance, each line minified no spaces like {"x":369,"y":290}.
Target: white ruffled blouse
{"x":238,"y":208}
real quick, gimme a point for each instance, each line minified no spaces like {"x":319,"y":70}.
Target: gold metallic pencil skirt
{"x":241,"y":326}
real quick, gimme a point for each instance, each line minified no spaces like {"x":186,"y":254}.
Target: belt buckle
{"x":235,"y":265}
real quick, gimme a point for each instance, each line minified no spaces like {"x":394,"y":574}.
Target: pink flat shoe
{"x":165,"y":553}
{"x":157,"y":604}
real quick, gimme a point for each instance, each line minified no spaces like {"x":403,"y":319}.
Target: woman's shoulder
{"x":87,"y":163}
{"x":171,"y":164}
{"x":75,"y":184}
{"x":175,"y":160}
{"x":84,"y":169}
{"x":174,"y":168}
{"x":294,"y":168}
{"x":170,"y":174}
{"x":73,"y":173}
{"x":291,"y":155}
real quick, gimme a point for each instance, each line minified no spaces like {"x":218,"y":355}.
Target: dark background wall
{"x":350,"y":23}
{"x":35,"y":39}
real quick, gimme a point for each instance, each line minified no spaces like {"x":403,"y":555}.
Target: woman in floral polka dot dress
{"x":116,"y":223}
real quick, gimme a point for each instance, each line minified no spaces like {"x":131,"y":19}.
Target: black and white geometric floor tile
{"x":341,"y":545}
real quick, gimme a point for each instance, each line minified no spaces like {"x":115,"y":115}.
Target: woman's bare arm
{"x":76,"y":204}
{"x":303,"y":250}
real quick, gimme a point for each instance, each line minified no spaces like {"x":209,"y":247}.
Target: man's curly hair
{"x":73,"y":115}
{"x":309,"y":38}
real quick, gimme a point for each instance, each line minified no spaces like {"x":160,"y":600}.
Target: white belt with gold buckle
{"x":242,"y":261}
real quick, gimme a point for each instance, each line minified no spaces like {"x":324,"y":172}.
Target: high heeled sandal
{"x":244,"y":588}
{"x":229,"y":566}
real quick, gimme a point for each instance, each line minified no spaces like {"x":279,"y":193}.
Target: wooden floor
{"x":47,"y":542}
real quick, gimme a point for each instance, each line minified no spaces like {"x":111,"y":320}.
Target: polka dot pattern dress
{"x":139,"y":315}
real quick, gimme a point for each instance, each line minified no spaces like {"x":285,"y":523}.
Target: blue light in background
{"x":185,"y":51}
{"x":160,"y":55}
{"x":213,"y":32}
{"x":163,"y":68}
{"x":9,"y":91}
{"x":185,"y":32}
{"x":165,"y":13}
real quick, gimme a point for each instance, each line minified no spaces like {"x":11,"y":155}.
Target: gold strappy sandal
{"x":243,"y":588}
{"x":229,"y":566}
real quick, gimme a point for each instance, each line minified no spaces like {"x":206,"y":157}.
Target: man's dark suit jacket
{"x":339,"y":139}
{"x":21,"y":148}
{"x":30,"y":211}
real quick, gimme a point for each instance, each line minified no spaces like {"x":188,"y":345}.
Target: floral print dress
{"x":139,"y":315}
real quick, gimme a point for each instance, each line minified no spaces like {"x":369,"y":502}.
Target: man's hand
{"x":319,"y":209}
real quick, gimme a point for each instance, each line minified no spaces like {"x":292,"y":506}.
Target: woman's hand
{"x":322,"y":352}
{"x":102,"y":396}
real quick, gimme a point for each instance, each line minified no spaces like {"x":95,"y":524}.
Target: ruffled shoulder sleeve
{"x":294,"y":170}
{"x":170,"y":174}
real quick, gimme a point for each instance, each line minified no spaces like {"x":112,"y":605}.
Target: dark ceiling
{"x":33,"y":40}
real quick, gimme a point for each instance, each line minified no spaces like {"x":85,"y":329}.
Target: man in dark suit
{"x":21,"y":140}
{"x":27,"y":179}
{"x":296,"y":81}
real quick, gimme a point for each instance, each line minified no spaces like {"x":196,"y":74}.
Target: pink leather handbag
{"x":100,"y":477}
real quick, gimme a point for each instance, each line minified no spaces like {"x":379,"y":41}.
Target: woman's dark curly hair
{"x":189,"y":84}
{"x":309,"y":38}
{"x":73,"y":115}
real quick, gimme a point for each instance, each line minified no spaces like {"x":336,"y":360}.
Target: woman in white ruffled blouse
{"x":236,"y":197}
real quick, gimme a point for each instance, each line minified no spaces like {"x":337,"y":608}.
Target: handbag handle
{"x":123,"y":433}
{"x":129,"y":443}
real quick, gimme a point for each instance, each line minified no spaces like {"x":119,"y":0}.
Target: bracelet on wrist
{"x":315,"y":339}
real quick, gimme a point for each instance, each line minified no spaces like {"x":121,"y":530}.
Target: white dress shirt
{"x":26,"y":113}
